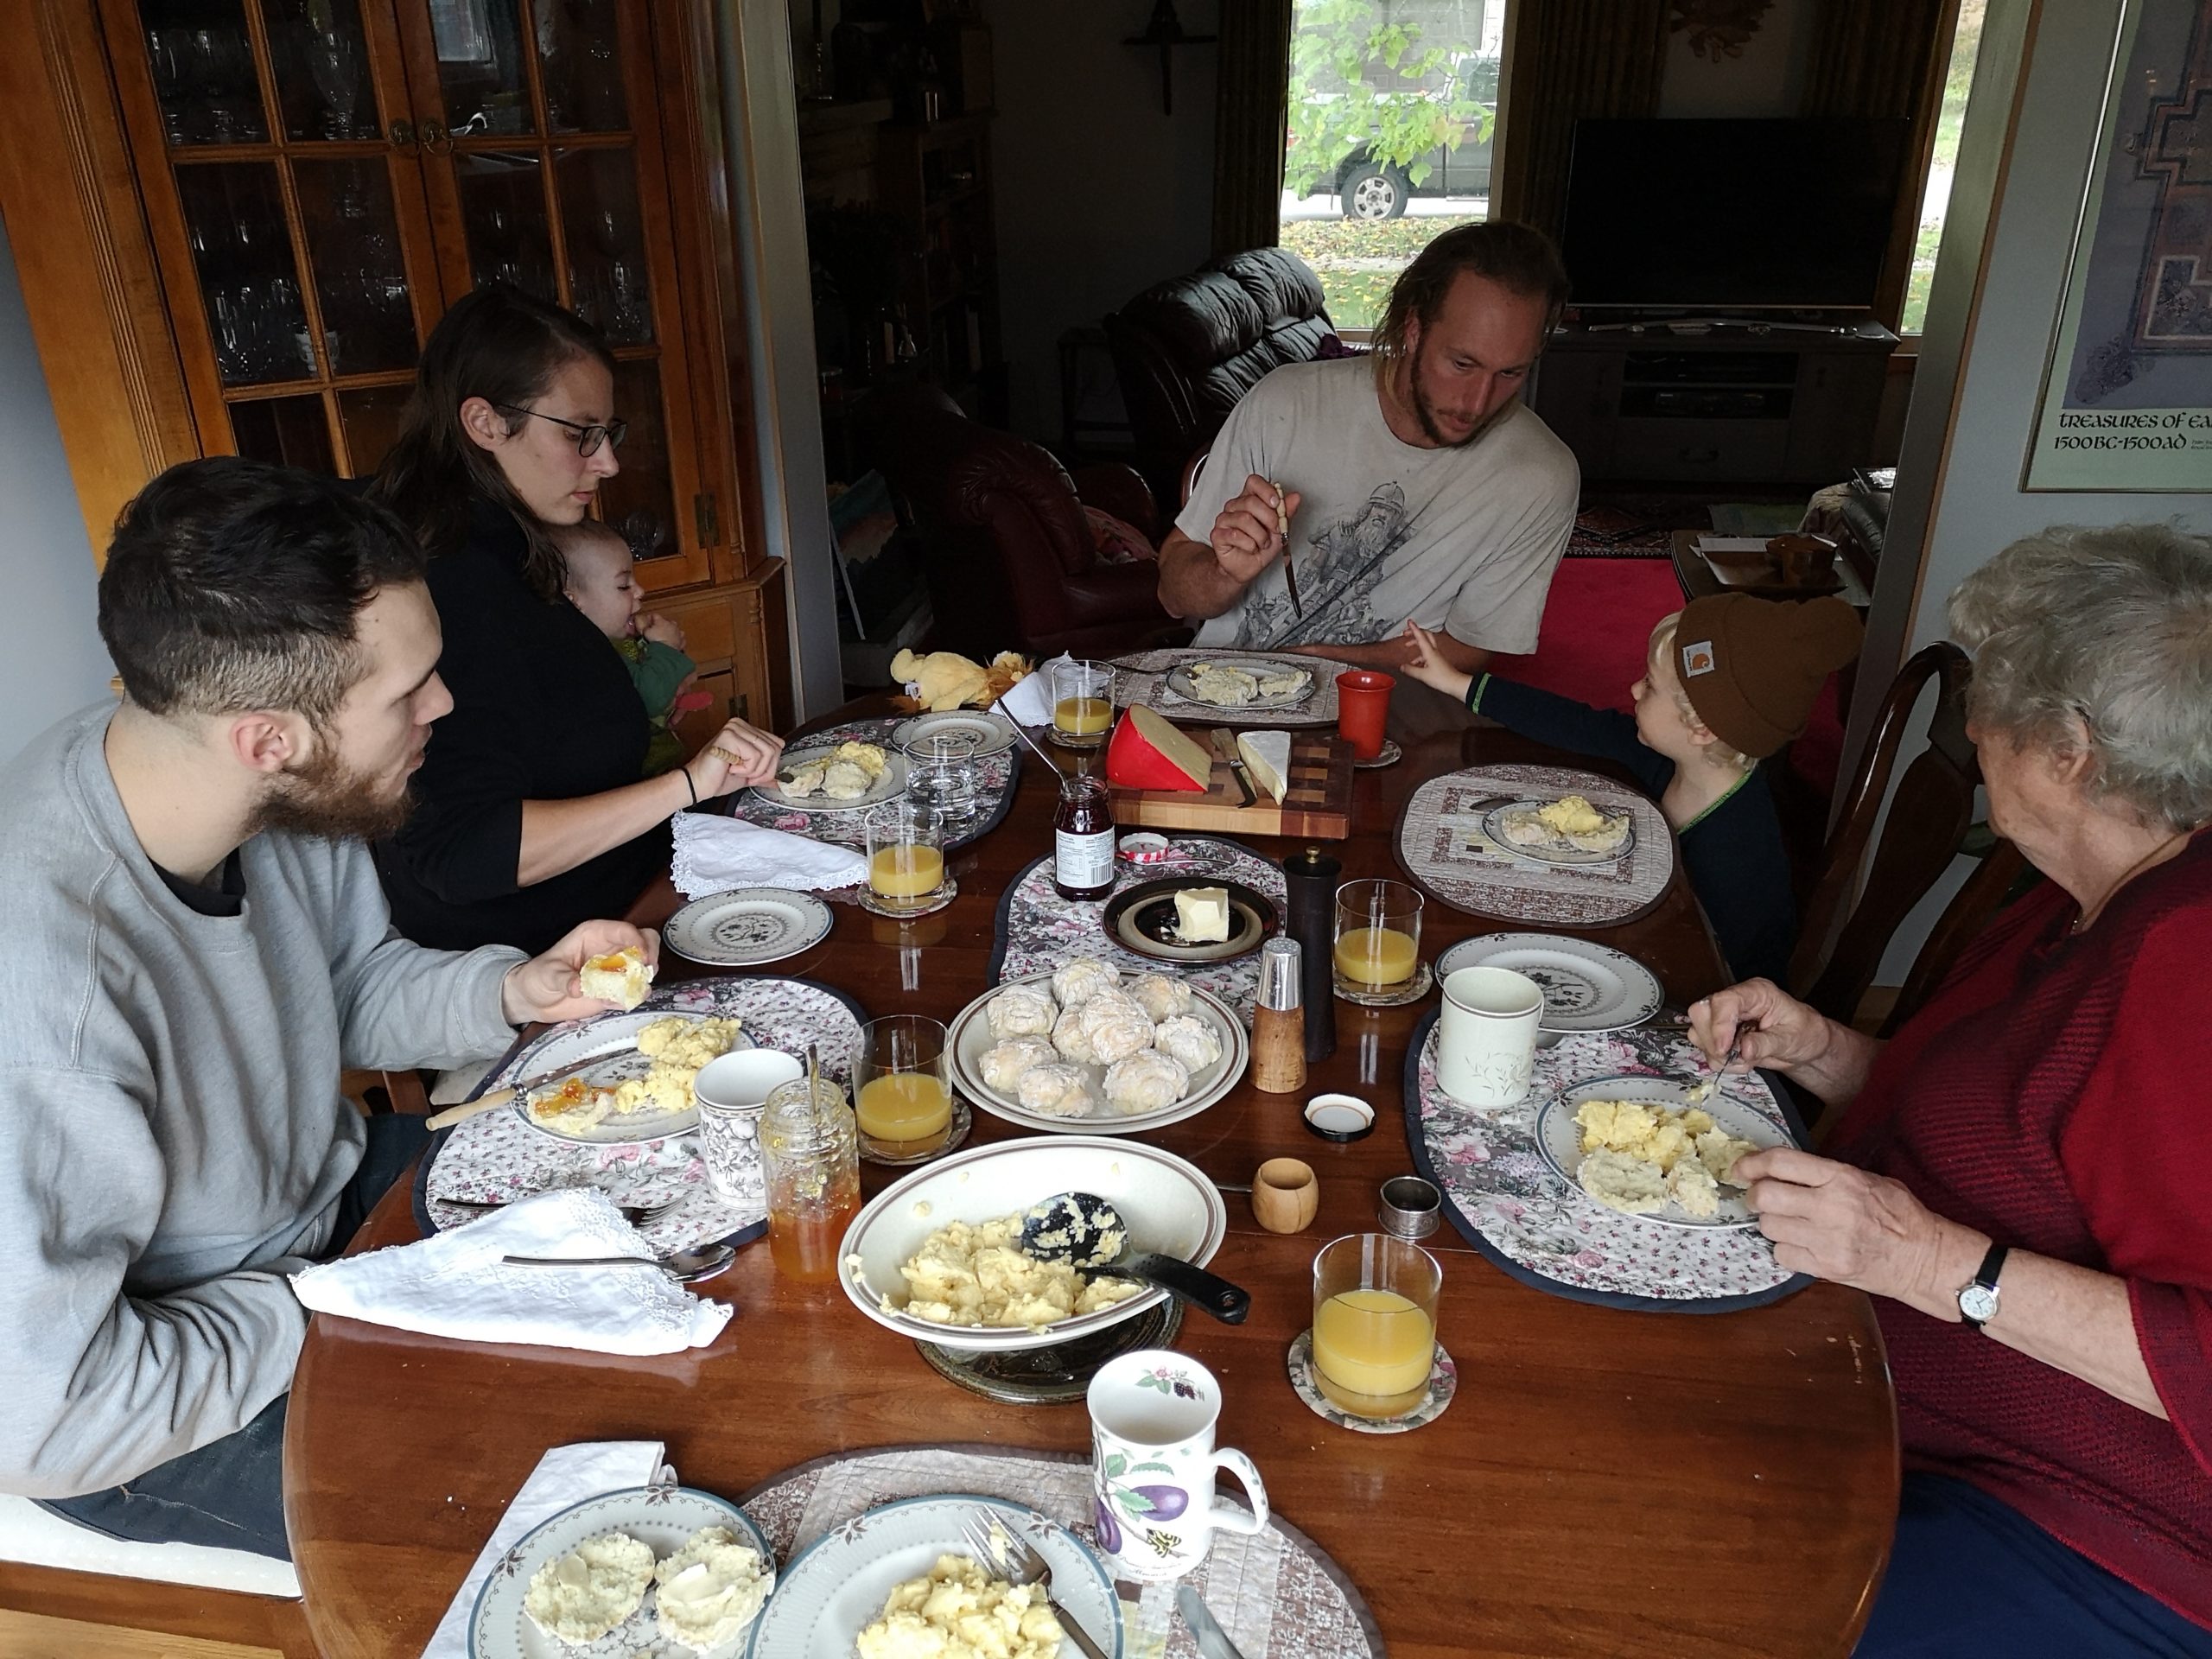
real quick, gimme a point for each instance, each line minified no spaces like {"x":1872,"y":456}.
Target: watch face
{"x":1978,"y":1303}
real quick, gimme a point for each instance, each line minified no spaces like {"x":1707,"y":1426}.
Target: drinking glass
{"x":1083,"y":704}
{"x":905,"y":859}
{"x":1377,"y":954}
{"x":1375,"y":1323}
{"x":904,"y":1101}
{"x":940,"y":770}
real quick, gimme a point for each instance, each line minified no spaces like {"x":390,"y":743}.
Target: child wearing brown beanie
{"x":1727,"y":681}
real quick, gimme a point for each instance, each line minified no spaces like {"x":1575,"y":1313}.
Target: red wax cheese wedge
{"x":1148,"y":751}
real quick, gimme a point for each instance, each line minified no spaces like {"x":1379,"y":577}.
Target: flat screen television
{"x":1726,"y":216}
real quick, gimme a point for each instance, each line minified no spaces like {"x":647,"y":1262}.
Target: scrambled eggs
{"x":1571,"y":815}
{"x":1637,"y":1156}
{"x":976,"y":1274}
{"x":677,"y":1048}
{"x":959,"y":1611}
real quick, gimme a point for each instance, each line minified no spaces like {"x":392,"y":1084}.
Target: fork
{"x":638,"y":1215}
{"x":986,"y":1535}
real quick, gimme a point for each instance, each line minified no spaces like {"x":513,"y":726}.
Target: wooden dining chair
{"x":1987,"y":890}
{"x":1847,"y":921}
{"x":385,"y":1091}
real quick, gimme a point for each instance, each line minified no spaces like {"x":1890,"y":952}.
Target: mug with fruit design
{"x":1153,"y":1465}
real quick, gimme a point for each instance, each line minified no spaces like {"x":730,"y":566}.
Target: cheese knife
{"x":1224,"y":745}
{"x":1213,"y":1641}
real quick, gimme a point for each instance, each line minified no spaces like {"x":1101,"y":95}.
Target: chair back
{"x":1962,"y":920}
{"x":1928,"y":819}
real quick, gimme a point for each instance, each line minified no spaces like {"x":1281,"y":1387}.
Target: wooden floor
{"x":32,"y":1636}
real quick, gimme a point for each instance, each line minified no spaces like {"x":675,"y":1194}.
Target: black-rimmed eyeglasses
{"x":589,"y":438}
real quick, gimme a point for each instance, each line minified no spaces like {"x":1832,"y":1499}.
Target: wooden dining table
{"x":1606,"y":1482}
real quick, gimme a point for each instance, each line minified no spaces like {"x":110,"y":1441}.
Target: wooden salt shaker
{"x":1279,"y":1021}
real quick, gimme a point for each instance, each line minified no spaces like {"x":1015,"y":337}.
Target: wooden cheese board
{"x":1317,"y":804}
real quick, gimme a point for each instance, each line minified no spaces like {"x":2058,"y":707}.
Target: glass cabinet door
{"x":295,"y":223}
{"x":536,"y":175}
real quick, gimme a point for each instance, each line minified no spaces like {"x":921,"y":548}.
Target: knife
{"x":1224,"y":745}
{"x":1289,"y":567}
{"x":1213,"y":1641}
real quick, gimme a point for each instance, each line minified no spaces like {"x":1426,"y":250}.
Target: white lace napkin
{"x":1029,"y":700}
{"x":565,"y":1476}
{"x":715,"y":854}
{"x":454,"y":1284}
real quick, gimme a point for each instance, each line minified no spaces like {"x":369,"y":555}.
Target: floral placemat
{"x":996,"y":777}
{"x":1442,"y":845}
{"x":1038,"y":930}
{"x":1502,"y":1195}
{"x":497,"y":1156}
{"x":1275,"y":1592}
{"x":1142,"y":677}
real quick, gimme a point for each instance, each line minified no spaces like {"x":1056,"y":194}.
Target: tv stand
{"x":1735,"y":400}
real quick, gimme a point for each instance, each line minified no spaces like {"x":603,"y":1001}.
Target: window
{"x":1943,"y":157}
{"x":1393,"y":117}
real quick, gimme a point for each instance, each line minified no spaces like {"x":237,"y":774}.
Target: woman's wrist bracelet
{"x":691,"y":787}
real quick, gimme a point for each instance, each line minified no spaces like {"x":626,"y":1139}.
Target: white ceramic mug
{"x":1486,"y":1037}
{"x":1153,"y":1465}
{"x":730,"y":1091}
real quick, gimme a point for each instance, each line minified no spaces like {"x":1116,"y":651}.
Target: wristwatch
{"x":1978,"y":1301}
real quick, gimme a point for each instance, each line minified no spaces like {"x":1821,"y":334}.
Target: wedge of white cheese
{"x":1268,"y":755}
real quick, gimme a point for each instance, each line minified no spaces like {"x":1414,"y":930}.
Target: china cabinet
{"x":237,"y":221}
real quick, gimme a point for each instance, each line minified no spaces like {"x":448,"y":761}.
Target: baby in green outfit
{"x":602,"y":584}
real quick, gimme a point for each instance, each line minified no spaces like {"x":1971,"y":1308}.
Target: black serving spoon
{"x":1084,"y":1230}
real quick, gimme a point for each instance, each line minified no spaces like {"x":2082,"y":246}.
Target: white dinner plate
{"x":889,"y":787}
{"x":747,"y":927}
{"x":970,"y":1035}
{"x":991,"y":731}
{"x":662,"y":1517}
{"x":835,"y":1587}
{"x":1560,"y":1139}
{"x":1494,"y":830}
{"x":1182,"y":683}
{"x":1586,"y":987}
{"x":614,"y":1036}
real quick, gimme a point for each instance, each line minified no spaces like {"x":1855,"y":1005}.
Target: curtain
{"x":1875,"y":57}
{"x":1248,"y":121}
{"x":1566,"y":59}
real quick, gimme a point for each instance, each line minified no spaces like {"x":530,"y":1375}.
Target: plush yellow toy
{"x":945,"y":679}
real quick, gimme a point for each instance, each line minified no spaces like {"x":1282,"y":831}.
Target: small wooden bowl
{"x":1286,"y":1194}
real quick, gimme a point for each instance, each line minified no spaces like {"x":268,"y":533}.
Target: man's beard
{"x":1425,"y":412}
{"x":322,"y":796}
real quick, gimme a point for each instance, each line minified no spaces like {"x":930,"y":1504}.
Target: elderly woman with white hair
{"x":2022,"y":1177}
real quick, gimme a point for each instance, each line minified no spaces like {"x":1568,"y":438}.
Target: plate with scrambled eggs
{"x":1639,"y":1146}
{"x":639,"y":1087}
{"x":899,"y":1582}
{"x":929,"y":1256}
{"x":1568,"y":830}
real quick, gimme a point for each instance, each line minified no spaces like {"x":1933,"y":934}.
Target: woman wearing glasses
{"x":532,"y":813}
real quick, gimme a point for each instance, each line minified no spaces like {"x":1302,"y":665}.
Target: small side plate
{"x":1586,"y":987}
{"x":1142,"y":918}
{"x":992,"y":733}
{"x":747,"y":927}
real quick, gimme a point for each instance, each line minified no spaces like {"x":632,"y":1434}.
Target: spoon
{"x":685,"y":1267}
{"x":1088,"y":1233}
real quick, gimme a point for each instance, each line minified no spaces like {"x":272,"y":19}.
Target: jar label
{"x":1082,"y":860}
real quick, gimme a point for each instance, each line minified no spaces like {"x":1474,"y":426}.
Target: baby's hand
{"x":1428,"y":663}
{"x":658,"y":628}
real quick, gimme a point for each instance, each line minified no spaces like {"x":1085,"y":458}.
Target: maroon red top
{"x":2056,"y":1094}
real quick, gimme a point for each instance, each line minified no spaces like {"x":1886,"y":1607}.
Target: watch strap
{"x":1985,"y":1276}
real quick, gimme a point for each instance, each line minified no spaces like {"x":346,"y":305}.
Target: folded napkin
{"x":565,"y":1477}
{"x":715,"y":854}
{"x":454,"y":1284}
{"x":1029,"y":700}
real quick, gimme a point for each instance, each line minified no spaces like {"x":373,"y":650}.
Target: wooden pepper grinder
{"x":1279,"y":1021}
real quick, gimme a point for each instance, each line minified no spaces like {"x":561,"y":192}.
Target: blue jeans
{"x":1970,"y":1576}
{"x":230,"y":1493}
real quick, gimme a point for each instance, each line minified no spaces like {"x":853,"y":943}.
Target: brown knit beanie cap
{"x":1751,"y":668}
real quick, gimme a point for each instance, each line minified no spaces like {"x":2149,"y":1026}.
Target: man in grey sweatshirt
{"x":196,"y":944}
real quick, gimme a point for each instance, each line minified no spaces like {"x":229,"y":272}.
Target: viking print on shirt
{"x":1342,"y":564}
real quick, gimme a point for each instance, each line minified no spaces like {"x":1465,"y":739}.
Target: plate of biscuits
{"x":837,"y":777}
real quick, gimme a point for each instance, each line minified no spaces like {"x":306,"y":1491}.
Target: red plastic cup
{"x":1363,"y":708}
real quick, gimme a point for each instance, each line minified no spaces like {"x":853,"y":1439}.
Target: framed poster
{"x":2128,"y":393}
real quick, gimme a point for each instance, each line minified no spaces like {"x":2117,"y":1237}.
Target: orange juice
{"x":904,"y":1106}
{"x":905,"y":871}
{"x":1372,"y":1350}
{"x":1082,"y":716}
{"x":1376,"y":955}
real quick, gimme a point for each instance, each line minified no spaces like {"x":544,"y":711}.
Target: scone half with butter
{"x":711,"y":1589}
{"x":593,"y":1590}
{"x":622,"y":977}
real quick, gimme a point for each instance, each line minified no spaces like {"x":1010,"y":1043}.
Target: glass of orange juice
{"x":1377,"y":956}
{"x":905,"y":860}
{"x":1374,"y":1324}
{"x":904,"y":1099}
{"x":1082,"y":703}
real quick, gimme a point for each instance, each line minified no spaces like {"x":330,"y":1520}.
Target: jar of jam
{"x":1082,"y":840}
{"x":809,"y":1153}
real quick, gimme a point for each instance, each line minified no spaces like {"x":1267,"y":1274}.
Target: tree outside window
{"x":1943,"y":157}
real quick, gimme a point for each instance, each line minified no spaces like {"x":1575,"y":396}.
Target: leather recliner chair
{"x":1006,"y":551}
{"x":1186,"y":351}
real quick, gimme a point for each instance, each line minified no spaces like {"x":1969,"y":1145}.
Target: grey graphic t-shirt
{"x":1462,"y":539}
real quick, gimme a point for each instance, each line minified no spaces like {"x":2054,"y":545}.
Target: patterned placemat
{"x":997,"y":779}
{"x":1278,"y":1595}
{"x":1038,"y":930}
{"x":1502,"y":1195}
{"x":1442,"y":845}
{"x":496,"y":1157}
{"x":1142,"y":677}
